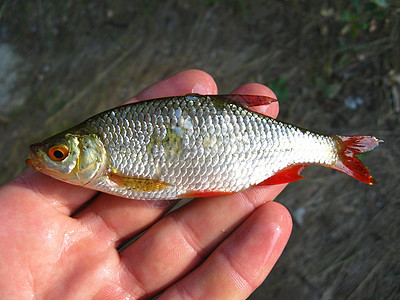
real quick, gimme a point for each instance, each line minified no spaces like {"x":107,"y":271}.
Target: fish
{"x":192,"y":146}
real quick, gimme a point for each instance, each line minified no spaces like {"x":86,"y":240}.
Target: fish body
{"x":189,"y":146}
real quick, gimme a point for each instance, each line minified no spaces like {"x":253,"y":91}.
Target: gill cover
{"x":91,"y":160}
{"x":84,"y":157}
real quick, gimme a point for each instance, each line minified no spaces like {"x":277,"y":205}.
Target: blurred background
{"x":334,"y":65}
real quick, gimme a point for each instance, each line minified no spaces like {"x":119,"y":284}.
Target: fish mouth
{"x":34,"y":161}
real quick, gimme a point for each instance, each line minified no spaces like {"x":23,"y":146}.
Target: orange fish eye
{"x":58,"y":152}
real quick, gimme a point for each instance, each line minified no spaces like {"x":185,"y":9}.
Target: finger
{"x":182,"y":83}
{"x":182,"y":239}
{"x":115,"y":218}
{"x":242,"y":262}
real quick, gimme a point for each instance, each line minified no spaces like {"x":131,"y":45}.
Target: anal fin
{"x":198,"y":194}
{"x":286,"y":175}
{"x":138,"y":184}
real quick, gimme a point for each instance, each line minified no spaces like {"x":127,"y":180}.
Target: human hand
{"x":212,"y":248}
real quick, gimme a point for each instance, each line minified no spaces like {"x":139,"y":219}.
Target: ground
{"x":335,"y":66}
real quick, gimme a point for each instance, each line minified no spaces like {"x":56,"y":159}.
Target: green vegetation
{"x":280,"y":88}
{"x":363,"y":15}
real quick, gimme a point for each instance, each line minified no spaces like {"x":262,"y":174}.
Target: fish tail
{"x":349,"y":147}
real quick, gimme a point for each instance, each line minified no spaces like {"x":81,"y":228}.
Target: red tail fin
{"x":349,"y":147}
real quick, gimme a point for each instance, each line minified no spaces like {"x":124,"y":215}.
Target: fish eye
{"x":58,"y":152}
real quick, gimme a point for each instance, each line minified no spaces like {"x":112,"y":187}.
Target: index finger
{"x":66,"y":198}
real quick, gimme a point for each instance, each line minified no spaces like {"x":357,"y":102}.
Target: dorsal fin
{"x":242,"y":100}
{"x":249,"y":100}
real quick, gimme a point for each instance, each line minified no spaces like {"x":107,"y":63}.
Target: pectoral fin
{"x":138,"y":184}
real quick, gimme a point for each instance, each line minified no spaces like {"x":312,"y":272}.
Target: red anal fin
{"x":286,"y":175}
{"x":349,"y":147}
{"x":198,"y":194}
{"x":249,"y":100}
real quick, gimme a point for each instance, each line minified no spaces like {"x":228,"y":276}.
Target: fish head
{"x":73,"y":158}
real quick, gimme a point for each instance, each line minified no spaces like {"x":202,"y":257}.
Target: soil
{"x":335,"y":66}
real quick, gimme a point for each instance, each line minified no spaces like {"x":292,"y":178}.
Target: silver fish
{"x":191,"y":146}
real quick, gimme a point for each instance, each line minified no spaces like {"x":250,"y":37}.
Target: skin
{"x":215,"y":248}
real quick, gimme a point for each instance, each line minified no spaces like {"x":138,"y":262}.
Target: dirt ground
{"x":335,"y":66}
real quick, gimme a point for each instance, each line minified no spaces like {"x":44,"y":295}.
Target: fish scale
{"x":192,"y":145}
{"x":187,"y":134}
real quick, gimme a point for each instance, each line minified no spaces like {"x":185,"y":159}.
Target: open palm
{"x":220,"y":247}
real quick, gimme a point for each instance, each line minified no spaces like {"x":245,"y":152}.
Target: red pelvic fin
{"x":286,"y":175}
{"x":349,"y":164}
{"x":201,"y":194}
{"x":249,"y":100}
